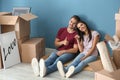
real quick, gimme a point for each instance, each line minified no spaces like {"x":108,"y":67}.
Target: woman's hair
{"x":80,"y":33}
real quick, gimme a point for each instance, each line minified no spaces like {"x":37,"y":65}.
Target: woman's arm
{"x":96,"y":39}
{"x":80,"y":43}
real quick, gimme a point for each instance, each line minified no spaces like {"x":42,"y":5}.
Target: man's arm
{"x":59,"y":43}
{"x":72,"y":50}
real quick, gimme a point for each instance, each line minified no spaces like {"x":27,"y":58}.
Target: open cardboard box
{"x":101,"y":74}
{"x":19,"y":24}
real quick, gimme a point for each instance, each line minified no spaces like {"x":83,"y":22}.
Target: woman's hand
{"x":77,"y":37}
{"x":83,"y":58}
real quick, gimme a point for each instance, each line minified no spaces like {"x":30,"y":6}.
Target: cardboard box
{"x":1,"y":64}
{"x":1,"y":61}
{"x":105,"y":75}
{"x":34,"y":47}
{"x":101,"y":74}
{"x":21,"y":24}
{"x":117,"y":18}
{"x":116,"y":58}
{"x":20,"y":41}
{"x":5,"y":13}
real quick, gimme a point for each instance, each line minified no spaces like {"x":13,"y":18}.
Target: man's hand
{"x":59,"y":53}
{"x":65,"y":41}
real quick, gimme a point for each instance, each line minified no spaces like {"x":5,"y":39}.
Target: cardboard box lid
{"x":8,"y":20}
{"x":11,"y":20}
{"x":117,"y":16}
{"x":33,"y":41}
{"x":28,"y":17}
{"x":4,"y":13}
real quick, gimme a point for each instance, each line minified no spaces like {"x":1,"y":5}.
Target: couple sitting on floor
{"x":77,"y":36}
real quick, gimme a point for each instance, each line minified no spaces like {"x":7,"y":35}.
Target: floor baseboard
{"x":49,"y":50}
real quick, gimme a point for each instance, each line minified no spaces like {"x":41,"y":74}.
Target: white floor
{"x":24,"y":71}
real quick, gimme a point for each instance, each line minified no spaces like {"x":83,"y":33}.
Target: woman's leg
{"x":73,"y":70}
{"x":75,"y":62}
{"x":83,"y":63}
{"x":63,"y":70}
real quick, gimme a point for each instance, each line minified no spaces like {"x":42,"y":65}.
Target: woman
{"x":87,"y":40}
{"x":66,"y":47}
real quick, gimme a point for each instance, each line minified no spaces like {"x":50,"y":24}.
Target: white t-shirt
{"x":88,"y":44}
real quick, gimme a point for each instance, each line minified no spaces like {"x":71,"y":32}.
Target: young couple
{"x":77,"y":36}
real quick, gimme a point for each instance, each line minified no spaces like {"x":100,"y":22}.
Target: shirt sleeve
{"x":60,"y":32}
{"x":95,"y":33}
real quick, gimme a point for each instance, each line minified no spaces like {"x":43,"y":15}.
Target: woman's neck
{"x":86,"y":32}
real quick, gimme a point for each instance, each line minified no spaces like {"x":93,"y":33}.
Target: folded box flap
{"x":28,"y":16}
{"x":8,"y":20}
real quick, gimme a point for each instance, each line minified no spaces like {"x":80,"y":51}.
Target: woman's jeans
{"x":51,"y":61}
{"x":78,"y":64}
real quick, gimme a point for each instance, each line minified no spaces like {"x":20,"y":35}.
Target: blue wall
{"x":53,"y":14}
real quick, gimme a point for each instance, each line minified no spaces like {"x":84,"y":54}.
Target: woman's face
{"x":72,"y":23}
{"x":82,"y":27}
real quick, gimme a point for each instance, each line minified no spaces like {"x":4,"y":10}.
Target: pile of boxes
{"x":97,"y":66}
{"x":28,"y":48}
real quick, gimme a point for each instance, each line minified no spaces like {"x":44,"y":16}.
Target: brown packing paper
{"x":96,"y":65}
{"x":108,"y":37}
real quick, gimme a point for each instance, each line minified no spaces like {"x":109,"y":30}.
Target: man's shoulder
{"x":62,"y":29}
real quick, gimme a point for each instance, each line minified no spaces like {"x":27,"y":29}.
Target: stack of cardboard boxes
{"x":100,"y":73}
{"x":21,"y":25}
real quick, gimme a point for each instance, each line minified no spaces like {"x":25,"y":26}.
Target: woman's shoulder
{"x":94,"y":31}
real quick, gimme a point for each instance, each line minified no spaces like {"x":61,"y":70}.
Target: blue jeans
{"x":78,"y":64}
{"x":51,"y":61}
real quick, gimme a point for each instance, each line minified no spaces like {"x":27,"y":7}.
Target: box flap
{"x":4,"y":13}
{"x":117,"y":16}
{"x":96,"y":65}
{"x":8,"y":20}
{"x":108,"y":37}
{"x":28,"y":17}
